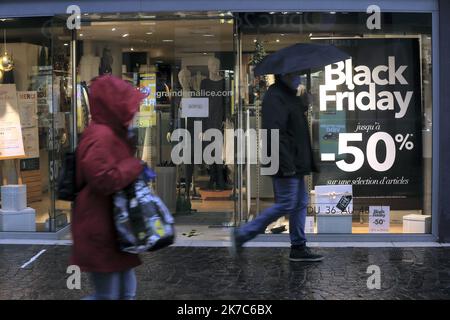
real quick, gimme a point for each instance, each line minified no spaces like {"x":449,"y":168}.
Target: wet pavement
{"x":262,"y":273}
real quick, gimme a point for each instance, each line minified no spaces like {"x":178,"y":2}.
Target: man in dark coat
{"x":283,"y":110}
{"x":105,"y":165}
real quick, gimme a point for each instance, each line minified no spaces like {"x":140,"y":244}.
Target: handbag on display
{"x":143,"y":222}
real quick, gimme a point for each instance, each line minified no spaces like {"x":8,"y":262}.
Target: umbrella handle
{"x":308,"y":81}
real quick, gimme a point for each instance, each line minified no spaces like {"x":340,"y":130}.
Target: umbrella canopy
{"x":298,"y":57}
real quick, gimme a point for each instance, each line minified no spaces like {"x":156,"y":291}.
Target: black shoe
{"x":236,"y":243}
{"x":278,"y":230}
{"x":304,"y":254}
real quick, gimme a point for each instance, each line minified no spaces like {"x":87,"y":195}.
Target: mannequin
{"x":106,"y":62}
{"x":214,"y":69}
{"x":216,"y":117}
{"x":184,"y":77}
{"x":185,"y":80}
{"x":83,"y":113}
{"x":89,"y":63}
{"x":197,"y":81}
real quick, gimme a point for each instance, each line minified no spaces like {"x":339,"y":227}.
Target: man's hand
{"x":301,"y":90}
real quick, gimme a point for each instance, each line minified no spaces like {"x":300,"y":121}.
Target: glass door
{"x":371,"y":148}
{"x":185,"y":64}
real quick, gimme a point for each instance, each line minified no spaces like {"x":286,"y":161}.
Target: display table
{"x":334,"y":223}
{"x":19,"y":221}
{"x":14,"y":214}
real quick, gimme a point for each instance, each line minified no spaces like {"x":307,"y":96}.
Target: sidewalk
{"x":263,"y":273}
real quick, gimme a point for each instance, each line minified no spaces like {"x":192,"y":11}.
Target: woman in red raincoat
{"x":105,"y":165}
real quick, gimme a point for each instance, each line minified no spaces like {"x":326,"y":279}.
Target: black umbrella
{"x":298,"y":57}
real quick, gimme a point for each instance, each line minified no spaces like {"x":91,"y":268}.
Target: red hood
{"x":113,"y":101}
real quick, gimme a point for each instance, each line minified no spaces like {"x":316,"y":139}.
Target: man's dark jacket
{"x":282,"y":109}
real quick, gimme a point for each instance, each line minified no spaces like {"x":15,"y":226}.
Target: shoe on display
{"x":304,"y":254}
{"x":236,"y":243}
{"x":278,"y":230}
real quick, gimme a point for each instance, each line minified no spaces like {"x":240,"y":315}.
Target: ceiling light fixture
{"x":167,"y":40}
{"x":125,"y":35}
{"x":149,"y":33}
{"x":113,"y":29}
{"x":333,"y":38}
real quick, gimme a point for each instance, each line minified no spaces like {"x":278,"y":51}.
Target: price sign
{"x":384,"y":139}
{"x":379,"y":219}
{"x":194,"y":107}
{"x":11,"y":143}
{"x":370,"y":129}
{"x":145,"y":119}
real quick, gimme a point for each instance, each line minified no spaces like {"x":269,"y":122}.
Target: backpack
{"x":66,"y":185}
{"x":142,"y":220}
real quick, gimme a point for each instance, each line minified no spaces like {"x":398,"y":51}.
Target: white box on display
{"x":18,"y":221}
{"x":416,"y":223}
{"x":335,"y":199}
{"x":14,"y":197}
{"x":334,"y":223}
{"x":333,"y":206}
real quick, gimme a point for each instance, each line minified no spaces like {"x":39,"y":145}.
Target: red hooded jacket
{"x":105,"y":165}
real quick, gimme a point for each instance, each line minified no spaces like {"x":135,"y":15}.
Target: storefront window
{"x":184,"y":63}
{"x":35,"y":114}
{"x":370,"y":119}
